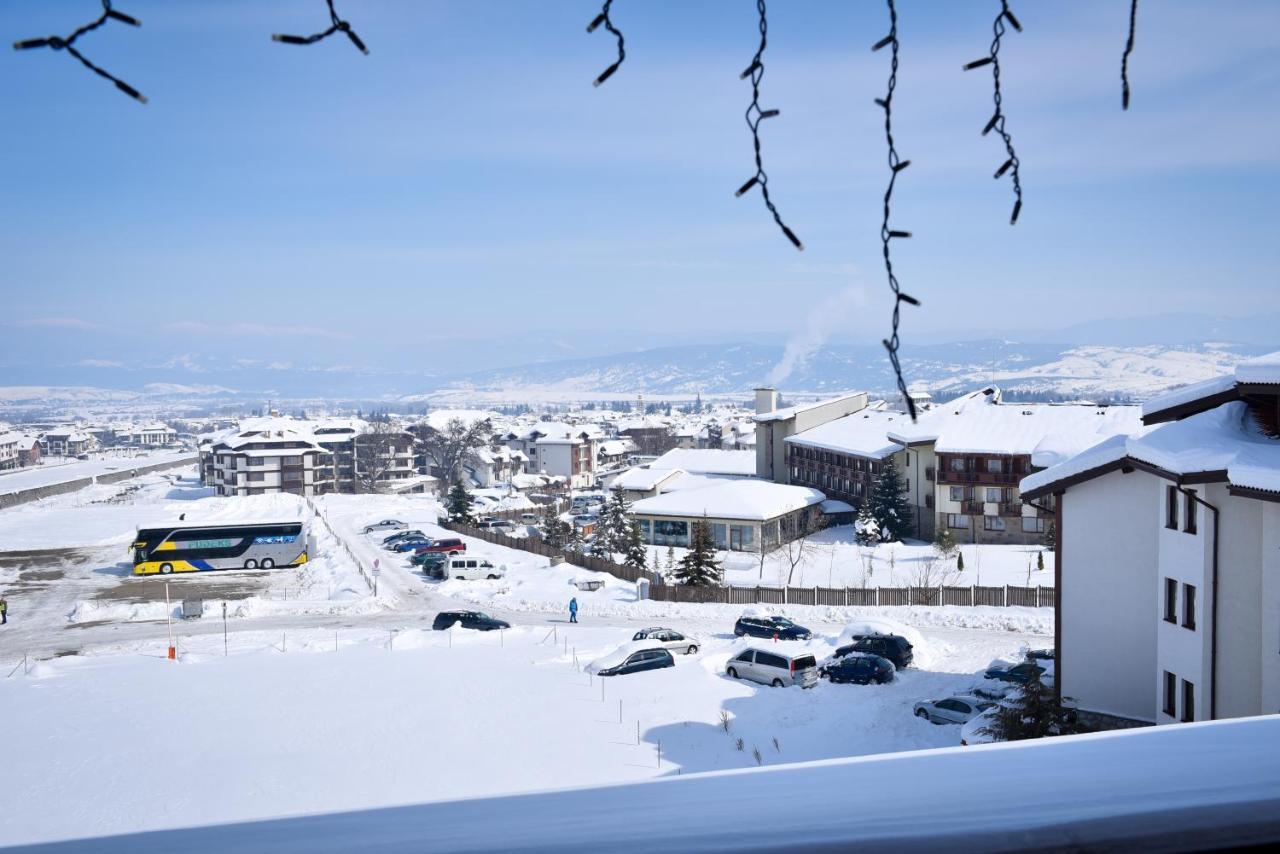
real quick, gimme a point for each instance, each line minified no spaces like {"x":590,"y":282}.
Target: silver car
{"x":952,"y":710}
{"x":773,"y":668}
{"x":668,"y":639}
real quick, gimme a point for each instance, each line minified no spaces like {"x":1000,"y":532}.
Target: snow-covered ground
{"x":333,"y":698}
{"x":832,"y":558}
{"x":61,"y":470}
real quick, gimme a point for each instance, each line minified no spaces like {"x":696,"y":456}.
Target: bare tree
{"x":454,"y":445}
{"x":375,"y":454}
{"x":933,"y":572}
{"x":800,"y":546}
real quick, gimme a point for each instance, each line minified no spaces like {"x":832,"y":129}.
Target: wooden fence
{"x":1034,"y":597}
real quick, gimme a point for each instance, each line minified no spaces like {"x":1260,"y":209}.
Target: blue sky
{"x":463,"y":197}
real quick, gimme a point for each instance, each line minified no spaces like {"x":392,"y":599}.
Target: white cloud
{"x":265,"y":329}
{"x":57,"y":323}
{"x":99,"y":363}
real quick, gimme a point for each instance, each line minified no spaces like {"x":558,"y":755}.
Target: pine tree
{"x":889,"y":504}
{"x":615,"y":524}
{"x":634,"y":553}
{"x":1051,"y":535}
{"x":459,"y":505}
{"x":1040,"y":561}
{"x":573,"y":540}
{"x":959,"y":561}
{"x":1032,"y":712}
{"x":699,"y":567}
{"x":671,"y":558}
{"x":945,"y":543}
{"x":554,"y":530}
{"x":866,"y":529}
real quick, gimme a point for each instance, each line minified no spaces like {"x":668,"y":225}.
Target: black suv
{"x":645,"y":659}
{"x":896,"y":648}
{"x":468,"y":620}
{"x":769,"y":628}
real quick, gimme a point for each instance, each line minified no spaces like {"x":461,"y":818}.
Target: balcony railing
{"x":973,"y":508}
{"x":946,"y":476}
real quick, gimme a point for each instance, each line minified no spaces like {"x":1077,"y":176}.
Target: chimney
{"x":766,"y":400}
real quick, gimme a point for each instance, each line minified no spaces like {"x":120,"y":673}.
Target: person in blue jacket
{"x":573,"y":610}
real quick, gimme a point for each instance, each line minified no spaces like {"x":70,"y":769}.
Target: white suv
{"x":772,"y":668}
{"x":472,"y":569}
{"x":668,"y":639}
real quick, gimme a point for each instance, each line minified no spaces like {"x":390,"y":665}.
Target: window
{"x":995,"y":466}
{"x":957,"y":520}
{"x":1190,"y":526}
{"x":256,"y":475}
{"x":667,"y":533}
{"x":992,"y":523}
{"x":1171,"y":508}
{"x":1189,"y":606}
{"x":994,"y":494}
{"x":956,"y":463}
{"x":1033,"y":524}
{"x":1188,"y":701}
{"x":1170,"y":601}
{"x":720,"y":534}
{"x":1170,"y":694}
{"x":768,"y":659}
{"x":957,"y":493}
{"x":254,"y":461}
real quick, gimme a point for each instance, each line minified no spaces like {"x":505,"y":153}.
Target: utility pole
{"x":224,"y":629}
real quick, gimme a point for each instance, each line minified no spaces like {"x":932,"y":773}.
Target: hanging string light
{"x":1128,"y":50}
{"x":68,"y":44}
{"x":887,"y":235}
{"x":603,"y":18}
{"x":336,"y":25}
{"x":755,"y":115}
{"x":997,"y":121}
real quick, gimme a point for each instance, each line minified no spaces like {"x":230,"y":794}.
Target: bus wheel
{"x":250,"y":564}
{"x":166,"y":568}
{"x":268,"y":563}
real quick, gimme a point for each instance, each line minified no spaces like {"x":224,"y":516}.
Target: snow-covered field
{"x":61,"y":470}
{"x":332,"y":698}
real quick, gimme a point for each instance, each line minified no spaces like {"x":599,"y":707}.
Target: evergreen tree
{"x":458,"y":505}
{"x":945,"y":543}
{"x":1031,"y":713}
{"x":889,"y":504}
{"x":959,"y":561}
{"x":671,"y":558}
{"x":615,"y":524}
{"x":1040,"y":561}
{"x":634,"y":553}
{"x":699,"y":567}
{"x":555,"y":532}
{"x":866,"y":529}
{"x":1051,"y":535}
{"x":573,"y":542}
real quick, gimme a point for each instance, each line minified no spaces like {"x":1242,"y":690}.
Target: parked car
{"x":403,"y":535}
{"x":893,"y":647}
{"x":451,"y":546}
{"x":1017,"y":673}
{"x":498,"y":526}
{"x":1041,"y":654}
{"x":530,"y":518}
{"x":774,"y":668}
{"x":644,"y":659}
{"x":472,"y":569}
{"x":668,"y":639}
{"x":409,"y":544}
{"x":952,"y":710}
{"x":385,"y":525}
{"x":427,"y":560}
{"x":971,"y":731}
{"x":468,"y":620}
{"x":770,"y":627}
{"x":859,"y":669}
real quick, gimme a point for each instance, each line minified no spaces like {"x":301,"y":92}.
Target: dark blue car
{"x":410,"y":544}
{"x":645,"y":659}
{"x":1017,"y":673}
{"x":859,"y":669}
{"x":769,"y":628}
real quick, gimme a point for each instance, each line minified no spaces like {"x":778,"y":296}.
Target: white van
{"x":473,"y":569}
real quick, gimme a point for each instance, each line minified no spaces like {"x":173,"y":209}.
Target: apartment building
{"x":1168,"y":557}
{"x":964,"y":459}
{"x":155,"y":435}
{"x":66,"y":442}
{"x":774,"y":425}
{"x":18,"y":450}
{"x":559,"y":450}
{"x":844,"y":457}
{"x":268,"y":457}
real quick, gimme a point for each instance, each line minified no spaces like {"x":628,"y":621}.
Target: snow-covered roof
{"x":1262,"y":370}
{"x":1223,"y":439}
{"x":863,"y":433}
{"x":617,"y":447}
{"x":750,"y":500}
{"x":979,"y":423}
{"x":793,"y":411}
{"x":834,"y":505}
{"x":644,"y":478}
{"x":708,"y":461}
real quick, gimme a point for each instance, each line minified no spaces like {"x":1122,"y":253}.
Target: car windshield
{"x":804,"y":662}
{"x":782,"y":621}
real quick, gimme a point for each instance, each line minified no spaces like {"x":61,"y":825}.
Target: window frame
{"x":1189,"y":514}
{"x":1171,"y":601}
{"x":1188,"y":702}
{"x":1171,"y":507}
{"x":1189,"y":606}
{"x":1170,"y":704}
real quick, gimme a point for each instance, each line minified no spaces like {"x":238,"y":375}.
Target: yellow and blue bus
{"x":198,"y":548}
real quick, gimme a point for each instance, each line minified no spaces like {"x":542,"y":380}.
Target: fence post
{"x":877,"y":595}
{"x":1006,"y":596}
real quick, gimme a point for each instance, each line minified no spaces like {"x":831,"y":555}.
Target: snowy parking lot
{"x":361,"y":704}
